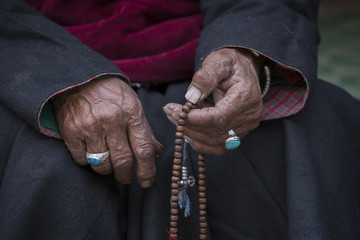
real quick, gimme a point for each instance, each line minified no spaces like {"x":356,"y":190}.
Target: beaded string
{"x":177,"y":183}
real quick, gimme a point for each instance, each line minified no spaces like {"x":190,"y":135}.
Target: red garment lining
{"x":150,"y":41}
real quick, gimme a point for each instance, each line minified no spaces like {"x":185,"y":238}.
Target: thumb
{"x":216,"y":67}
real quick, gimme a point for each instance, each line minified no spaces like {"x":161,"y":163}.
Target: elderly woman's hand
{"x":231,"y":75}
{"x":107,"y":115}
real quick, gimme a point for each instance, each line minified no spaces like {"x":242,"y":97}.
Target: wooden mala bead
{"x":179,"y":141}
{"x":176,"y":182}
{"x":202,"y":197}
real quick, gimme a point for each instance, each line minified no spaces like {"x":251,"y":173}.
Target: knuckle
{"x":220,"y":54}
{"x":84,"y":124}
{"x":68,"y":129}
{"x":254,"y":95}
{"x":135,"y":113}
{"x":221,"y":121}
{"x":123,"y":164}
{"x":132,"y":105}
{"x":107,"y":112}
{"x":145,"y":151}
{"x":201,"y":73}
{"x":120,"y":156}
{"x":224,"y":57}
{"x":88,"y":123}
{"x":115,"y":139}
{"x":205,"y":78}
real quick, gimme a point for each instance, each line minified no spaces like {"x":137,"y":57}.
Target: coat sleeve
{"x":39,"y":59}
{"x":284,"y":31}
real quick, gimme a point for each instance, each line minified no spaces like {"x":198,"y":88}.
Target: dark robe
{"x":291,"y":178}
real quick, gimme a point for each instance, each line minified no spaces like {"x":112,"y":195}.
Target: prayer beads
{"x":175,"y":180}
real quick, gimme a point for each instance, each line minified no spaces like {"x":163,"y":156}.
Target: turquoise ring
{"x":97,"y":158}
{"x":232,"y":142}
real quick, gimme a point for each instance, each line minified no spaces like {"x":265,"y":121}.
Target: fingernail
{"x":189,"y":140}
{"x":161,"y":146}
{"x":167,"y":110}
{"x":146,"y":184}
{"x":193,"y":95}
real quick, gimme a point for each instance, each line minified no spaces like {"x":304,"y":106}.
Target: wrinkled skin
{"x":107,"y":115}
{"x":231,"y":75}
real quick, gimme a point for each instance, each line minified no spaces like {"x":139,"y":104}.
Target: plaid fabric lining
{"x":288,"y":92}
{"x":283,"y":101}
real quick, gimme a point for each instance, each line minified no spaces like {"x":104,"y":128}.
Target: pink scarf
{"x":151,"y":41}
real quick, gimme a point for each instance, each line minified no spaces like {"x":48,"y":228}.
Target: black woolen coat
{"x":292,"y":178}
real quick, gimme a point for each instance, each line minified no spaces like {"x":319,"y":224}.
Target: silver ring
{"x":233,"y":141}
{"x":97,"y":158}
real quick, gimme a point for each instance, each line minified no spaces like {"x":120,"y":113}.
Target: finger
{"x":203,"y":148}
{"x":204,"y":136}
{"x":209,"y":136}
{"x":197,"y":118}
{"x":215,"y":141}
{"x":121,"y":155}
{"x":144,"y":148}
{"x":215,"y":68}
{"x":214,"y":134}
{"x":77,"y":149}
{"x":158,"y":146}
{"x":217,"y":95}
{"x":75,"y":144}
{"x":228,"y":109}
{"x":172,"y":111}
{"x":172,"y":120}
{"x":97,"y":144}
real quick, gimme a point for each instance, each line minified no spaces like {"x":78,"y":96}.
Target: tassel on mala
{"x":179,"y":197}
{"x":186,"y":182}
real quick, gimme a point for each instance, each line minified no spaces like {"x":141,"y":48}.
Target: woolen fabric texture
{"x":291,"y":178}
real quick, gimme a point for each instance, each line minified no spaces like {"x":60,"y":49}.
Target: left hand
{"x":106,"y":115}
{"x":231,"y":76}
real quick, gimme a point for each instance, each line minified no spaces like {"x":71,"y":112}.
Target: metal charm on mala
{"x":180,"y":182}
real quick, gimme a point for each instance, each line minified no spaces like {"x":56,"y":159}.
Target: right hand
{"x":231,"y":75}
{"x":107,"y":115}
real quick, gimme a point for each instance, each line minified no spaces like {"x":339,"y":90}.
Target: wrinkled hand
{"x":231,"y":75}
{"x":107,"y":115}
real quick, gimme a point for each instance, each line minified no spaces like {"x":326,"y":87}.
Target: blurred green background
{"x":339,"y":50}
